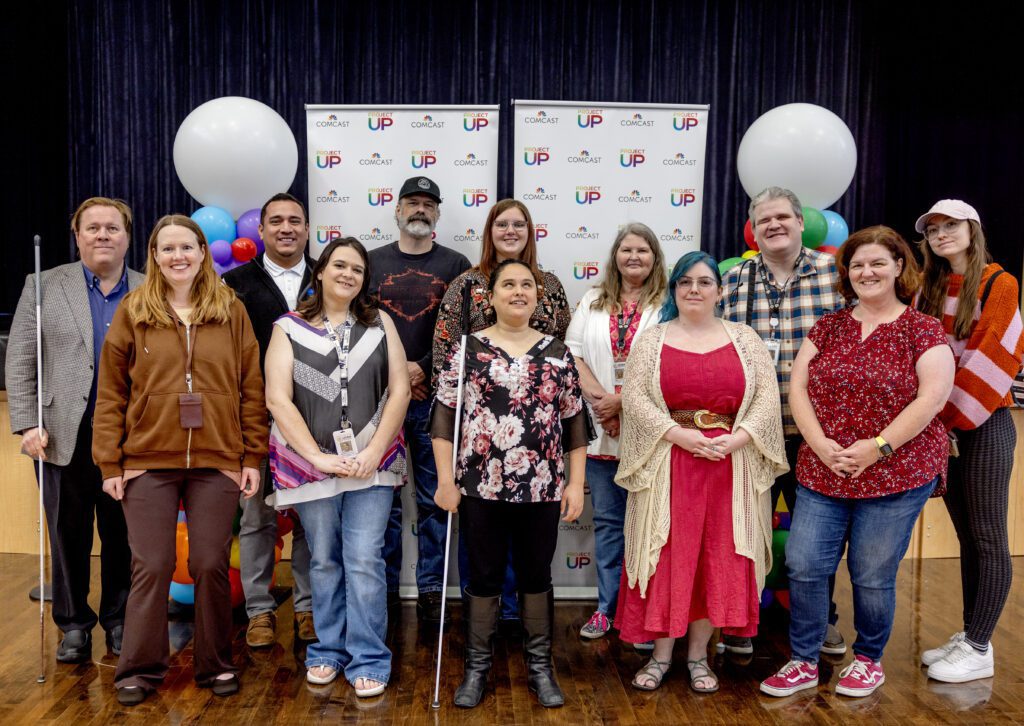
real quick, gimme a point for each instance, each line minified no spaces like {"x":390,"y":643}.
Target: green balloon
{"x":727,"y":264}
{"x":815,"y":228}
{"x":777,"y":579}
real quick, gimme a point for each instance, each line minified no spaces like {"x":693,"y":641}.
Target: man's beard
{"x":416,"y":228}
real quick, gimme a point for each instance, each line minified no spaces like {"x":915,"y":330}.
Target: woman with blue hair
{"x":701,"y":445}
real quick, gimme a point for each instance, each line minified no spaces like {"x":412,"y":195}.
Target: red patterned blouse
{"x":857,"y":389}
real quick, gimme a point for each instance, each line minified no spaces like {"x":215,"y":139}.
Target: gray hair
{"x":772,"y":193}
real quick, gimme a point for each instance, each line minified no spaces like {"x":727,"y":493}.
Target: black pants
{"x":488,"y":527}
{"x":72,"y":496}
{"x":785,"y":486}
{"x":976,"y":498}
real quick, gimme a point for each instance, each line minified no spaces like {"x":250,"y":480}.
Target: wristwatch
{"x":883,"y":447}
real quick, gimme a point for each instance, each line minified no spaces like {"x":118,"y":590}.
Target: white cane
{"x":448,"y":527}
{"x":39,"y":462}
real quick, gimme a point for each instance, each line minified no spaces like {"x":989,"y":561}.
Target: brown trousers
{"x":151,"y":511}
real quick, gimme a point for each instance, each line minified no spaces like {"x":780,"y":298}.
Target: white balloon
{"x":801,"y":147}
{"x":235,"y":153}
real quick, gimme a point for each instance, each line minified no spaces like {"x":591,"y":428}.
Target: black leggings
{"x":488,"y":527}
{"x":976,"y":497}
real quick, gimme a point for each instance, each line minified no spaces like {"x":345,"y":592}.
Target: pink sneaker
{"x":794,"y":676}
{"x":861,"y":678}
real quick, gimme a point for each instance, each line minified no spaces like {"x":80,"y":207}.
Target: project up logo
{"x":587,"y":195}
{"x":684,"y":120}
{"x":379,"y":120}
{"x":423,"y":158}
{"x":577,"y":560}
{"x":475,"y":121}
{"x":632,"y":157}
{"x":327,"y":232}
{"x":536,"y":155}
{"x":328,"y":158}
{"x":682,"y":197}
{"x":585,"y":270}
{"x":379,"y":196}
{"x":474,"y":197}
{"x":589,"y":118}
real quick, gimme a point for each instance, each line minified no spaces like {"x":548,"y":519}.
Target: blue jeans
{"x":346,"y":534}
{"x":609,"y":500}
{"x":431,"y":520}
{"x":878,"y":533}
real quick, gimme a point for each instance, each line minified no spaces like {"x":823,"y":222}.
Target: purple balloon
{"x":249,"y":225}
{"x":220,"y":250}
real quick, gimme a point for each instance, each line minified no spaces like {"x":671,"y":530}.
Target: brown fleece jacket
{"x":142,"y":371}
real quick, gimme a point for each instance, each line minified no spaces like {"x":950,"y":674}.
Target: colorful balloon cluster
{"x":824,"y":231}
{"x":182,"y":584}
{"x":219,"y":228}
{"x":776,"y":584}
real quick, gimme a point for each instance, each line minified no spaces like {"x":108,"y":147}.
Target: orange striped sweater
{"x":988,"y":360}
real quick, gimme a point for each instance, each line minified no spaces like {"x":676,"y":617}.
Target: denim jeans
{"x":431,"y":520}
{"x":878,"y":532}
{"x":346,"y":535}
{"x":609,"y":500}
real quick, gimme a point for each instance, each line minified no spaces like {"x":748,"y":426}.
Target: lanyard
{"x":620,"y":344}
{"x":774,"y":303}
{"x":341,"y":346}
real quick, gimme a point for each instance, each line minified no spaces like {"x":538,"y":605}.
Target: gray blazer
{"x":67,"y":357}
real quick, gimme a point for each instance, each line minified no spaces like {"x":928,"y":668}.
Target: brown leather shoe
{"x":260,"y":633}
{"x":304,"y":629}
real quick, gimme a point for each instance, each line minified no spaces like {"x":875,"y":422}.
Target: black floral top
{"x":519,"y":416}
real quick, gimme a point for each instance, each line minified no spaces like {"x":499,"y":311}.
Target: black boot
{"x":481,"y":622}
{"x":538,"y":614}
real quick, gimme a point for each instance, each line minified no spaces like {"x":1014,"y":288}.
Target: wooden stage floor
{"x":595,"y":675}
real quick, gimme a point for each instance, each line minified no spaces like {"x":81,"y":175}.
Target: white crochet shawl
{"x":645,"y":457}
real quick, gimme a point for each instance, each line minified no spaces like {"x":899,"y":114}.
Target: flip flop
{"x":372,"y":690}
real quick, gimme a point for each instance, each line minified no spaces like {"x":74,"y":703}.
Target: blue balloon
{"x":185,"y":594}
{"x":215,"y":223}
{"x":837,"y":229}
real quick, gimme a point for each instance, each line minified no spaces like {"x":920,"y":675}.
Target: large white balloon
{"x":802,"y":147}
{"x":235,"y":153}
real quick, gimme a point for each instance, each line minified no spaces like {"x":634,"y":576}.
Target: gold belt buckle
{"x":701,"y":425}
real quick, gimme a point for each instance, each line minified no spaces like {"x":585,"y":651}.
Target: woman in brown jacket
{"x":180,"y":415}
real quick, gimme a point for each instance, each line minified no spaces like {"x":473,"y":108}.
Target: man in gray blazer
{"x":78,"y":304}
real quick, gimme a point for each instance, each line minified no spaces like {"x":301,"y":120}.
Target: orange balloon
{"x":277,"y":554}
{"x":181,"y":562}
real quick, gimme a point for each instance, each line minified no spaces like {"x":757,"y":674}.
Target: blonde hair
{"x":122,"y":208}
{"x":653,"y":289}
{"x":936,"y":282}
{"x":211,"y":299}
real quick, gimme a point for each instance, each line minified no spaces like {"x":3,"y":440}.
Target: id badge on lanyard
{"x":344,"y":437}
{"x":620,"y":372}
{"x":774,"y":346}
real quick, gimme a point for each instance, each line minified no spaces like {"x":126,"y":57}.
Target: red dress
{"x":699,"y":574}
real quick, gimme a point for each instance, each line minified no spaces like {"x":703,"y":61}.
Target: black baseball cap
{"x":420,"y":185}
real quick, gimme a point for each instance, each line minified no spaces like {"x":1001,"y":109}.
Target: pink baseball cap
{"x":955,"y":208}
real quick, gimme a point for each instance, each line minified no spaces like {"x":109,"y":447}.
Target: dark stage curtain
{"x":929,"y":90}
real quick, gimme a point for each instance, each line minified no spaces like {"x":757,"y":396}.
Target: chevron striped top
{"x":988,"y":360}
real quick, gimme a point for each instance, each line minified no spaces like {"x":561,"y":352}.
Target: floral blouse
{"x":857,"y":388}
{"x":551,"y":317}
{"x":519,"y":416}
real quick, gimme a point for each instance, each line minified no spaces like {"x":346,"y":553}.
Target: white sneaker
{"x":963,"y":663}
{"x":936,"y":654}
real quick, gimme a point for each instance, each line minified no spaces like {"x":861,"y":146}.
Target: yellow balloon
{"x":750,"y":253}
{"x":236,"y":553}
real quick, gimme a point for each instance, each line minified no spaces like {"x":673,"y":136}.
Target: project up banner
{"x":359,"y":155}
{"x":585,"y":169}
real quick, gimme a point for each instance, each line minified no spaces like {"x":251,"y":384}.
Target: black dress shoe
{"x":76,"y":647}
{"x":131,"y":695}
{"x":225,"y":686}
{"x":114,"y":638}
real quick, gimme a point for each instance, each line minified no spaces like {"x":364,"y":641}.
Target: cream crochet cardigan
{"x":645,"y":457}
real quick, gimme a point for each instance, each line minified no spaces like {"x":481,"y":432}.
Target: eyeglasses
{"x":702,"y":283}
{"x":948,"y":227}
{"x":503,"y":224}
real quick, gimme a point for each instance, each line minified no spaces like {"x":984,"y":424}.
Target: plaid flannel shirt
{"x":813,"y":292}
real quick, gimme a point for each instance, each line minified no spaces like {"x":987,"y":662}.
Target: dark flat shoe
{"x":131,"y":695}
{"x":75,"y":647}
{"x":225,"y":686}
{"x":115,"y":636}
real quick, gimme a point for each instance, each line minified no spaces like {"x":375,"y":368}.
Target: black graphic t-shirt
{"x":410,"y":288}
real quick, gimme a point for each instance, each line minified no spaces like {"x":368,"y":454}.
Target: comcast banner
{"x":585,"y":169}
{"x":360,"y":155}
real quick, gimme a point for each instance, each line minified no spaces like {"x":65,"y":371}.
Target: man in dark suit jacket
{"x":270,"y":286}
{"x":78,"y":304}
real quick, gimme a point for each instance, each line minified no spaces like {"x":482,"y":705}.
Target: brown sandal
{"x":656,"y":670}
{"x":699,"y":669}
